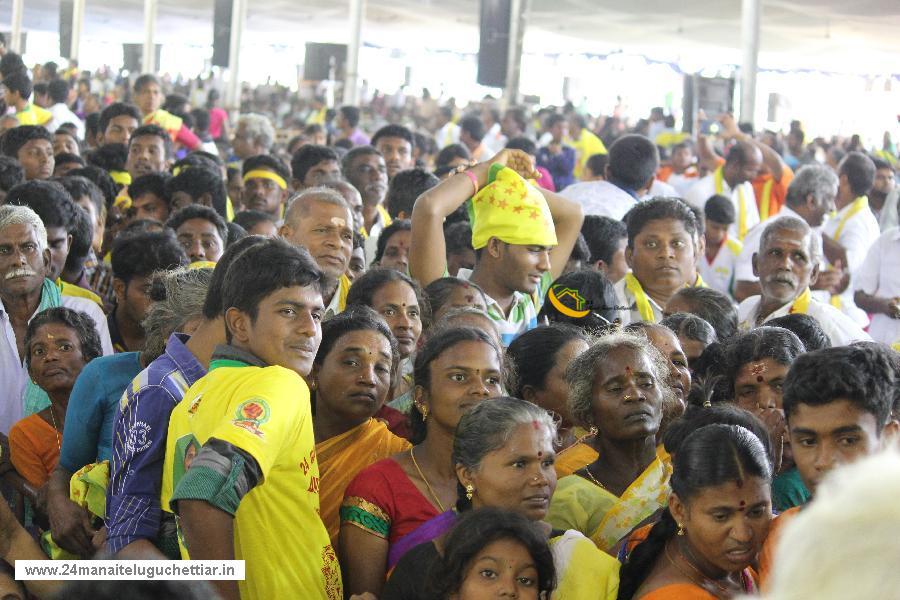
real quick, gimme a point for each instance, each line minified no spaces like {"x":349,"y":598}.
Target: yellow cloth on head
{"x":121,"y":177}
{"x":263,"y":174}
{"x":512,"y":210}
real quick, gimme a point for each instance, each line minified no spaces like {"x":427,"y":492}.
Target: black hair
{"x":533,"y":354}
{"x":201,"y":119}
{"x":708,"y":457}
{"x":554,"y":118}
{"x":775,"y":343}
{"x":212,"y":305}
{"x":714,"y":307}
{"x":355,"y":153}
{"x":142,"y":254}
{"x":517,"y":113}
{"x":118,"y":109}
{"x":366,"y":285}
{"x":603,"y":235}
{"x":11,"y":173}
{"x":695,"y":417}
{"x":196,"y":211}
{"x":690,"y":326}
{"x":474,"y":531}
{"x":523,"y":143}
{"x":67,"y":157}
{"x":350,"y":114}
{"x":458,"y":237}
{"x":308,"y":156}
{"x":48,"y":199}
{"x":79,"y":187}
{"x":248,"y":219}
{"x":92,"y":124}
{"x":143,"y":81}
{"x":11,"y":63}
{"x":109,"y":157}
{"x":151,"y":183}
{"x":860,"y":172}
{"x":197,"y":181}
{"x":155,"y":131}
{"x":266,"y":161}
{"x":719,"y":209}
{"x":235,"y":233}
{"x":405,"y":188}
{"x":862,"y":374}
{"x":579,"y":291}
{"x":198,"y":158}
{"x":79,"y":322}
{"x":804,"y":327}
{"x":439,"y":291}
{"x":246,"y":285}
{"x":13,"y":139}
{"x":101,"y":179}
{"x":20,"y":83}
{"x":597,"y":164}
{"x":580,"y":250}
{"x":385,"y":236}
{"x":59,"y":91}
{"x":657,"y":209}
{"x":40,"y":89}
{"x":434,"y":347}
{"x":356,"y":318}
{"x":82,"y":231}
{"x":880,"y":163}
{"x":473,"y":126}
{"x":633,"y":160}
{"x":450,"y":153}
{"x":395,"y":131}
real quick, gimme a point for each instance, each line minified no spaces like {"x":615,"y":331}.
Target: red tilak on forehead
{"x":536,"y":425}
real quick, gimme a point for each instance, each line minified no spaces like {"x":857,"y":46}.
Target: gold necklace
{"x":587,"y":470}
{"x":55,"y":429}
{"x":427,"y":485}
{"x":723,"y":589}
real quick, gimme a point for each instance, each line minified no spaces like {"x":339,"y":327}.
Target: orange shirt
{"x":767,"y":554}
{"x":34,"y":449}
{"x":765,"y":187}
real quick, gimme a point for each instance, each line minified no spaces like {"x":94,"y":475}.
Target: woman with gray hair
{"x":503,"y":454}
{"x":618,"y":386}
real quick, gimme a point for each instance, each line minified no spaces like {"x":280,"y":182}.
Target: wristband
{"x":473,"y":179}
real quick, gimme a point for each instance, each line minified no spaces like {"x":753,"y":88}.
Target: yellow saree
{"x":603,"y":517}
{"x":342,"y":457}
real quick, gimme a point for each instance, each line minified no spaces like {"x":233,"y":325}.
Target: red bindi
{"x":536,"y":425}
{"x":759,"y":379}
{"x":540,"y":454}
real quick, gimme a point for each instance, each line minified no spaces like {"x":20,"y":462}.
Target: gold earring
{"x":424,"y":410}
{"x":470,"y":491}
{"x":593,"y":430}
{"x":680,"y":529}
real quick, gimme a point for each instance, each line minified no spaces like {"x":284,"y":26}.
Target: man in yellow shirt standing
{"x":18,"y":90}
{"x":240,"y":471}
{"x":584,"y":141}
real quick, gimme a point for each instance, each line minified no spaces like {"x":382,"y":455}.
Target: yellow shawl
{"x":342,"y":457}
{"x":605,"y":518}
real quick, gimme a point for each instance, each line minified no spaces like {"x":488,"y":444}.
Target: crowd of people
{"x":410,"y":351}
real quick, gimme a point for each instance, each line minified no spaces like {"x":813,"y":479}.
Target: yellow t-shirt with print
{"x":277,"y":529}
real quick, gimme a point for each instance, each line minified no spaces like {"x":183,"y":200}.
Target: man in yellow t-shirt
{"x":585,"y":142}
{"x":17,"y":93}
{"x":240,"y":470}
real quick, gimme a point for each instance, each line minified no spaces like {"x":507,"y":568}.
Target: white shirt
{"x":705,"y":187}
{"x":744,"y":268}
{"x":447,"y":135}
{"x":61,"y":115}
{"x":682,"y":183}
{"x":600,"y":198}
{"x":857,"y":235}
{"x":661,"y":188}
{"x":840,"y":329}
{"x":879,"y":276}
{"x":719,"y":274}
{"x":888,"y":217}
{"x":14,"y":374}
{"x":632,"y":314}
{"x":494,"y":141}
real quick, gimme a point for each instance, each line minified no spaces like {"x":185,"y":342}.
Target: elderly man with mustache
{"x":787,"y":264}
{"x":25,"y":291}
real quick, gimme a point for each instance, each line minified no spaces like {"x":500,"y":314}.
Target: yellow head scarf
{"x":512,"y":210}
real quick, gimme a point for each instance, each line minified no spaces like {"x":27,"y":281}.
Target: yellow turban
{"x":511,"y":210}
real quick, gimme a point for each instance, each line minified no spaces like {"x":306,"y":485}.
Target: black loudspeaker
{"x":712,"y":95}
{"x":324,"y":61}
{"x":493,"y":49}
{"x":66,"y":11}
{"x":133,"y":56}
{"x":222,"y":32}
